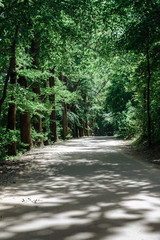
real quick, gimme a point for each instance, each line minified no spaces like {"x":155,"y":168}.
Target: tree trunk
{"x":38,"y":120}
{"x":25,"y":125}
{"x":12,"y":126}
{"x":65,"y":115}
{"x":73,"y":132}
{"x":35,"y":49}
{"x":90,"y":126}
{"x":84,"y":128}
{"x":76,"y":131}
{"x":148,"y":98}
{"x":65,"y":121}
{"x":25,"y":129}
{"x":12,"y":106}
{"x":81,"y":129}
{"x":44,"y":128}
{"x":5,"y":89}
{"x":85,"y":122}
{"x":53,"y":123}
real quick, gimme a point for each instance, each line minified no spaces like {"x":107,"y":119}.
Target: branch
{"x":103,"y":86}
{"x":44,"y":97}
{"x":52,"y":70}
{"x":75,"y":87}
{"x":30,"y":84}
{"x":47,"y":83}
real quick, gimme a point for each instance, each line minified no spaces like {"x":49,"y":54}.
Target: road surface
{"x":82,"y":189}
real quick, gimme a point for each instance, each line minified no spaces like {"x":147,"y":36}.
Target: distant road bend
{"x":82,"y":189}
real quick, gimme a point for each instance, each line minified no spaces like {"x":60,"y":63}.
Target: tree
{"x":12,"y":106}
{"x":53,"y":124}
{"x":25,"y":123}
{"x":136,"y":30}
{"x":108,"y":55}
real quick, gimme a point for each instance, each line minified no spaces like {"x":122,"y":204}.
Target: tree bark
{"x":44,"y":128}
{"x":5,"y":88}
{"x":25,"y":125}
{"x":85,"y":122}
{"x":65,"y":121}
{"x":90,"y":132}
{"x":12,"y":151}
{"x":53,"y":123}
{"x":148,"y":98}
{"x":65,"y":115}
{"x":81,"y":129}
{"x":35,"y":49}
{"x":38,"y":120}
{"x":84,"y":129}
{"x":76,"y":131}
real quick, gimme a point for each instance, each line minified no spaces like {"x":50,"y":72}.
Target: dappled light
{"x":77,"y":77}
{"x":80,"y":190}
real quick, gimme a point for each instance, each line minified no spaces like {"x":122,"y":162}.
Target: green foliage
{"x":100,"y":47}
{"x":38,"y":137}
{"x":7,"y":138}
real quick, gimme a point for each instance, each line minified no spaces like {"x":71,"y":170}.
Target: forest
{"x":74,"y":68}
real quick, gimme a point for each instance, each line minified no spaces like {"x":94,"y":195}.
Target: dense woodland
{"x":73,"y":68}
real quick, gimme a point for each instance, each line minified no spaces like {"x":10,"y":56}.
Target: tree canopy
{"x":75,"y":68}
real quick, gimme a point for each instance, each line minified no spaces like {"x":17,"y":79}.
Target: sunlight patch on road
{"x":131,"y":231}
{"x":76,"y":192}
{"x":137,"y":204}
{"x":81,"y":236}
{"x":142,"y":201}
{"x":62,"y":220}
{"x":120,"y":214}
{"x":105,"y":204}
{"x":93,"y":208}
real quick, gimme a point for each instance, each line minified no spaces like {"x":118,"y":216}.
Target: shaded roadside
{"x":148,"y":155}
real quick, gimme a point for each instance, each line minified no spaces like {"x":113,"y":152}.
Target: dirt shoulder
{"x":149,"y":155}
{"x":10,"y":169}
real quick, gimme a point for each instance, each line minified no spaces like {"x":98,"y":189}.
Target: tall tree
{"x":64,"y":79}
{"x":12,"y":105}
{"x":35,"y":49}
{"x":25,"y":123}
{"x":53,"y":123}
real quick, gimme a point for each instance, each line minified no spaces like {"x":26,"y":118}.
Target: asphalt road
{"x":83,"y":189}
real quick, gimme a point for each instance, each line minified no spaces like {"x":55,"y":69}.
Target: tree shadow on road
{"x":82,"y":190}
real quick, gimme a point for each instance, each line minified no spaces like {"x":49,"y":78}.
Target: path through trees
{"x":83,"y":189}
{"x":74,"y":68}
